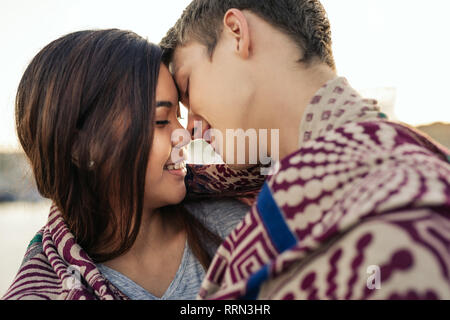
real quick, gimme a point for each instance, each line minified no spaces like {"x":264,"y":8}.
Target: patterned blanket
{"x":362,"y":212}
{"x":55,"y":267}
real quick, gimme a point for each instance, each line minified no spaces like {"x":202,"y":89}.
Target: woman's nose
{"x":180,"y":136}
{"x":197,"y":126}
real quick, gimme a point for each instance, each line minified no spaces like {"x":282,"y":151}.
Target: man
{"x":358,"y":208}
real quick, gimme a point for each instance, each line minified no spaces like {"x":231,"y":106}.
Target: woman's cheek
{"x":156,"y":159}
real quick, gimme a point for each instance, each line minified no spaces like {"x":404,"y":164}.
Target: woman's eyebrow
{"x":166,"y":104}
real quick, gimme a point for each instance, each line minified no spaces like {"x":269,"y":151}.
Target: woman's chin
{"x":169,"y":190}
{"x":177,"y":195}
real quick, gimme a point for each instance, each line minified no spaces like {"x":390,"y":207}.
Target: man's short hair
{"x":304,"y":21}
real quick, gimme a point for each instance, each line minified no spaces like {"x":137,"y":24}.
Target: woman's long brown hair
{"x":84,"y":117}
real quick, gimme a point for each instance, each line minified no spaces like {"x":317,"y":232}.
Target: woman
{"x":95,"y":113}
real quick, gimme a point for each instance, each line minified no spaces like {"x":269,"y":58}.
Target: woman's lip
{"x":182,"y":161}
{"x":178,"y":172}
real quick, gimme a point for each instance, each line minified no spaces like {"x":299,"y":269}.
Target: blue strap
{"x":254,"y":283}
{"x":279,"y":233}
{"x":274,"y":221}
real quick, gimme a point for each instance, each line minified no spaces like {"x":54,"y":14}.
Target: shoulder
{"x":358,"y":170}
{"x":358,"y":150}
{"x":390,"y":252}
{"x":218,"y":215}
{"x":34,"y":248}
{"x":36,"y":279}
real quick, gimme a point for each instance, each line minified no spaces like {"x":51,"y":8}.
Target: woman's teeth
{"x":176,"y":166}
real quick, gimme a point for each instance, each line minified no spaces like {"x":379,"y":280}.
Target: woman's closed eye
{"x":162,"y":122}
{"x":166,"y":113}
{"x":167,"y":122}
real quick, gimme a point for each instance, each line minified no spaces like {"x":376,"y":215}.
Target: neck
{"x":155,"y":235}
{"x":155,"y":231}
{"x":284,"y":99}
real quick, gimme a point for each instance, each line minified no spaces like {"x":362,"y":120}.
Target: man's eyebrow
{"x":166,"y":104}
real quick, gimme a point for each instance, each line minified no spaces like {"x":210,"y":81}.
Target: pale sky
{"x":401,"y":45}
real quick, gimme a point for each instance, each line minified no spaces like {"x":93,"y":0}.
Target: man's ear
{"x":235,"y":23}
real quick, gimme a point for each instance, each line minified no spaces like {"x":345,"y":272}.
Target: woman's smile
{"x":176,"y":169}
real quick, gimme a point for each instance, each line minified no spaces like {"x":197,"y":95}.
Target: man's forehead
{"x":177,"y":60}
{"x":185,"y":55}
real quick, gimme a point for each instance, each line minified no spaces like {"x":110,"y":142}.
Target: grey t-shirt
{"x":219,"y":216}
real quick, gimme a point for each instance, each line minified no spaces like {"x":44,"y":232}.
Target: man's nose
{"x":197,"y":126}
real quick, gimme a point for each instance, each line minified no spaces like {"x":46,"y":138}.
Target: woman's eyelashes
{"x":162,"y":118}
{"x":162,"y":122}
